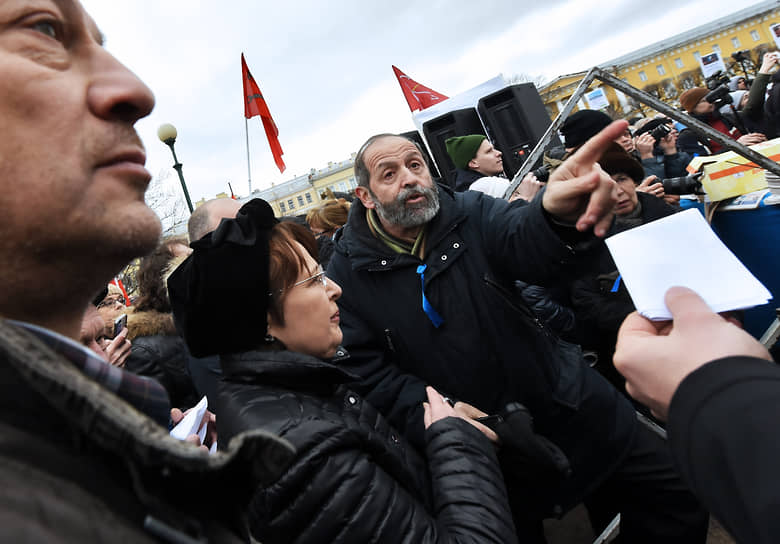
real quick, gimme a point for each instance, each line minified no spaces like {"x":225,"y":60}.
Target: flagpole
{"x":248,"y":169}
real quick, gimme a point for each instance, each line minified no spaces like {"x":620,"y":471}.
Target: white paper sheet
{"x":682,"y":250}
{"x":190,"y":422}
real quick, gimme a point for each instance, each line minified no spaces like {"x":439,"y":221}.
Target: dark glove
{"x":531,"y":456}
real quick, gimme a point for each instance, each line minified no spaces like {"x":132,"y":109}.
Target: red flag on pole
{"x":254,"y":104}
{"x":417,"y":96}
{"x":118,"y":283}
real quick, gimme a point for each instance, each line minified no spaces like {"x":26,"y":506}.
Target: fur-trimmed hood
{"x":149,"y":323}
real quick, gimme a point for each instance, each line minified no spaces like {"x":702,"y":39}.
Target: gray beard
{"x":399,"y":213}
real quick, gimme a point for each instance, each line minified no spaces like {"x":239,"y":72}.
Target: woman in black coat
{"x":252,"y":291}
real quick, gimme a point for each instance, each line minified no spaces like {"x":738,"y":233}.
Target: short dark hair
{"x":362,"y":174}
{"x":285,"y":262}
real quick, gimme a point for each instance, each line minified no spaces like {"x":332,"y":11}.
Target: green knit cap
{"x":462,"y":149}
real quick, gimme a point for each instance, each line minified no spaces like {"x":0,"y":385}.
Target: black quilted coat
{"x":353,"y":478}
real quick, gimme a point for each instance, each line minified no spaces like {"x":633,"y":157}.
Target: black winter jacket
{"x":78,"y":464}
{"x":354,"y":479}
{"x":490,"y":350}
{"x":465,"y":177}
{"x":159,"y":352}
{"x":666,"y":166}
{"x":723,"y":432}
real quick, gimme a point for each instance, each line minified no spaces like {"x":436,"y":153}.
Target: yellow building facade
{"x":302,"y":193}
{"x":667,"y":68}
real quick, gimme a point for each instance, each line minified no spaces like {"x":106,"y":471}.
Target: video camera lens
{"x":684,"y":185}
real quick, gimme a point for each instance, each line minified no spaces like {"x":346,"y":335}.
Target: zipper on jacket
{"x":389,"y":340}
{"x":519,"y":306}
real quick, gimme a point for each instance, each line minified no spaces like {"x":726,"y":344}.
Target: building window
{"x":642,"y":76}
{"x":282,"y":207}
{"x":716,"y":48}
{"x":697,"y":56}
{"x":754,"y":35}
{"x":735,"y":42}
{"x":678,"y":63}
{"x":291,"y":204}
{"x":308,"y":198}
{"x":661,"y":70}
{"x":300,"y":200}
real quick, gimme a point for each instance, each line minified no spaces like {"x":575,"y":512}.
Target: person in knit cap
{"x":481,"y":168}
{"x":695,"y":103}
{"x":579,"y":127}
{"x":253,"y":293}
{"x":475,"y":158}
{"x":738,"y":83}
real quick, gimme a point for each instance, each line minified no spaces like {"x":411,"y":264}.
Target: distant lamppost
{"x":167,"y":134}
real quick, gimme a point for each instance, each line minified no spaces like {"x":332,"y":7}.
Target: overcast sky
{"x":325,"y":67}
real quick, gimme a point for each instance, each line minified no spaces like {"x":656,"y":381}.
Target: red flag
{"x":254,"y":104}
{"x":417,"y":96}
{"x":118,"y":283}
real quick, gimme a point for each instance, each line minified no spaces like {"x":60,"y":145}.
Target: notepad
{"x":682,"y":250}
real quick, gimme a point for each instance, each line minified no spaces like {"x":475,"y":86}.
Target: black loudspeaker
{"x":515,"y":119}
{"x":454,"y":123}
{"x":417,"y":138}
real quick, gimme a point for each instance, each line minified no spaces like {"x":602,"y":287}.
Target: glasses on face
{"x":111,"y":301}
{"x":319,"y":277}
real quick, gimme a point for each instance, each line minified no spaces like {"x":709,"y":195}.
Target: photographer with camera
{"x":656,"y":142}
{"x":702,"y":104}
{"x":749,"y":104}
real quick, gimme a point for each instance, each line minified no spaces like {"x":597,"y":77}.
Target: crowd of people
{"x":407,"y":366}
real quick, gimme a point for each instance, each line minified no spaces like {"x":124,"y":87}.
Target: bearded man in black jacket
{"x":430,"y":301}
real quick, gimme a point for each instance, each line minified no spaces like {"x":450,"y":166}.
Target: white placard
{"x":597,"y":99}
{"x":775,"y":30}
{"x":711,"y":64}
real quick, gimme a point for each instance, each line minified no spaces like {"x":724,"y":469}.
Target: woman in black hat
{"x":599,"y":298}
{"x":253,"y":293}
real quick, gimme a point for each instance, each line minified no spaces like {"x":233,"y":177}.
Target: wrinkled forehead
{"x":388,"y":150}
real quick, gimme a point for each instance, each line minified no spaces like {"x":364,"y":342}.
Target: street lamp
{"x":167,"y":134}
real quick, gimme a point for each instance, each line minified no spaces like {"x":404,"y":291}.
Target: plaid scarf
{"x":144,"y":394}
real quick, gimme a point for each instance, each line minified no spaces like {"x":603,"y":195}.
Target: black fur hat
{"x":219,"y":294}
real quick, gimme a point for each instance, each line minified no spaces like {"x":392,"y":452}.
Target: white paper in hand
{"x":190,"y":423}
{"x":682,"y":250}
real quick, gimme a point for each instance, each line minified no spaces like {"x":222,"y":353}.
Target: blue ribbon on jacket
{"x":429,"y":310}
{"x":616,"y":285}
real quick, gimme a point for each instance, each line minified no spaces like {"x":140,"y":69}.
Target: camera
{"x":684,"y":185}
{"x":741,"y":56}
{"x":660,"y":132}
{"x":716,"y":80}
{"x":718,"y":84}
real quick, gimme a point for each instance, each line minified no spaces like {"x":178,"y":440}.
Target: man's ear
{"x":364,"y":196}
{"x":473,"y":164}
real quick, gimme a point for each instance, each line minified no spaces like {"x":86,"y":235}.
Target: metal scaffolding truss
{"x":596,"y":73}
